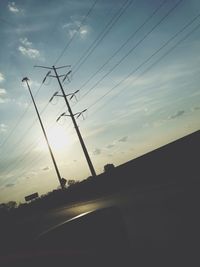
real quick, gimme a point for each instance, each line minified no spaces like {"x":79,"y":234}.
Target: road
{"x":162,"y":223}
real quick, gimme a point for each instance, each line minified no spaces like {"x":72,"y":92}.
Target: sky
{"x":135,"y":65}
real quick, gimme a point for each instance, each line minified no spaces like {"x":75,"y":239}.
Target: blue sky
{"x":135,"y":64}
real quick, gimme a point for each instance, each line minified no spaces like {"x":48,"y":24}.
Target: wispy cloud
{"x":97,"y":151}
{"x":9,"y":185}
{"x":110,"y":146}
{"x":123,"y":139}
{"x":2,"y":78}
{"x":32,"y":83}
{"x":2,"y":91}
{"x":84,"y":31}
{"x":171,"y":73}
{"x":75,"y":28}
{"x":195,"y":108}
{"x":25,"y":42}
{"x":22,"y":104}
{"x":45,"y":168}
{"x":162,"y":121}
{"x":177,"y":114}
{"x":99,"y":129}
{"x":3,"y":128}
{"x":2,"y":95}
{"x":27,"y":50}
{"x":13,"y":8}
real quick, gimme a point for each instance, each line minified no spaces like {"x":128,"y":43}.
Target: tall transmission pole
{"x":45,"y":135}
{"x":91,"y":167}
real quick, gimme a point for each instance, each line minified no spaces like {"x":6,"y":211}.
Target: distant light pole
{"x":45,"y":135}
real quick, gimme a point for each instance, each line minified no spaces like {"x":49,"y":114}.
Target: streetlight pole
{"x":45,"y":135}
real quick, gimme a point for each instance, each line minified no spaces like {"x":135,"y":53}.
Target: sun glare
{"x":59,"y":139}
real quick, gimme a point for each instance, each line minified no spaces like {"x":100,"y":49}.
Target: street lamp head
{"x":25,"y":79}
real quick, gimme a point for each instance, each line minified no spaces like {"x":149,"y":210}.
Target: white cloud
{"x":171,"y":74}
{"x":96,"y":131}
{"x":32,"y":83}
{"x":22,"y":104}
{"x":3,"y":128}
{"x":75,"y":27}
{"x":12,"y":7}
{"x":2,"y":91}
{"x":26,"y":28}
{"x":2,"y":95}
{"x":84,"y":31}
{"x":29,"y":52}
{"x":3,"y":100}
{"x":25,"y":42}
{"x":2,"y":78}
{"x":75,"y":24}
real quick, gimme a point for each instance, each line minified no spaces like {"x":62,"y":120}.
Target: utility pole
{"x":91,"y":167}
{"x":45,"y":135}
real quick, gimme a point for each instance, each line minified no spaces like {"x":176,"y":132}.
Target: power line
{"x":19,"y":159}
{"x":24,"y":170}
{"x":20,"y":120}
{"x":25,"y":154}
{"x":45,"y":107}
{"x":30,"y":146}
{"x":71,"y":115}
{"x":21,"y":117}
{"x":133,"y":48}
{"x":124,"y":44}
{"x":166,"y":14}
{"x":16,"y":125}
{"x":97,"y":82}
{"x":102,"y":35}
{"x":76,"y":32}
{"x":149,"y":58}
{"x":24,"y":113}
{"x":102,"y":32}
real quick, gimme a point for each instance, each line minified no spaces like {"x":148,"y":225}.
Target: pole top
{"x":25,"y":79}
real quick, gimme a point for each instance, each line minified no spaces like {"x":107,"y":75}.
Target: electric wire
{"x":102,"y":35}
{"x":76,"y":32}
{"x":45,"y":107}
{"x":61,"y":54}
{"x":145,"y":63}
{"x":124,"y":44}
{"x":147,"y":60}
{"x":133,"y":48}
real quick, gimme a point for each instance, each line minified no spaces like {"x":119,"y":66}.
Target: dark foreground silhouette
{"x":158,"y":225}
